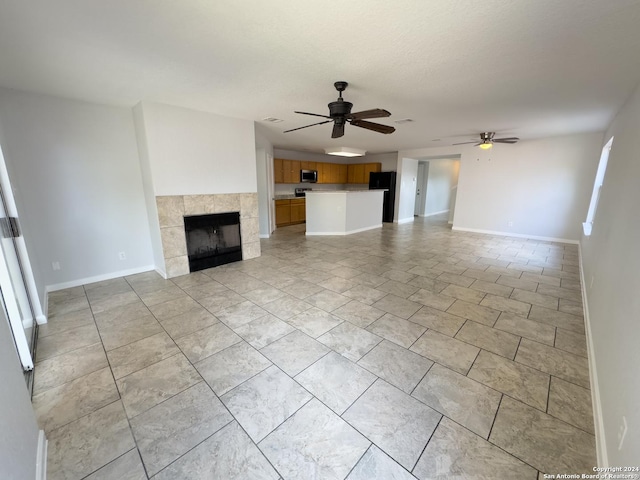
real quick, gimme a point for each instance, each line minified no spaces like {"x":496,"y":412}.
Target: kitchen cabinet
{"x":278,"y":170}
{"x":291,"y":171}
{"x":290,"y":211}
{"x":324,"y":173}
{"x":335,"y":173}
{"x":371,"y":167}
{"x":283,"y":212}
{"x":298,"y":213}
{"x":359,"y":172}
{"x":308,"y":165}
{"x":288,"y":171}
{"x":342,"y":177}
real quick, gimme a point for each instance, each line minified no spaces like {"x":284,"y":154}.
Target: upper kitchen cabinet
{"x":288,"y":171}
{"x":371,"y":167}
{"x":324,"y":172}
{"x":291,"y":171}
{"x":308,"y":165}
{"x":278,"y":170}
{"x":359,"y":172}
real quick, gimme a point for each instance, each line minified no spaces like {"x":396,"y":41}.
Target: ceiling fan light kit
{"x":340,"y":114}
{"x":345,"y":151}
{"x":487,"y":140}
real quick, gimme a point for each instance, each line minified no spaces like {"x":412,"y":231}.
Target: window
{"x":587,"y":226}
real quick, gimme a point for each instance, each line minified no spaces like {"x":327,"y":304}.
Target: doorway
{"x":436,"y":186}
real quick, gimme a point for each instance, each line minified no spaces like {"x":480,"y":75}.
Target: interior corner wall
{"x":439,"y":183}
{"x":611,"y":260}
{"x":192,"y":152}
{"x":149,"y":192}
{"x":75,"y":169}
{"x":406,"y":189}
{"x":264,"y":156}
{"x":19,"y":439}
{"x":388,"y":161}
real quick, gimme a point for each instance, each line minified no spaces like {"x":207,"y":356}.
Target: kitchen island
{"x":343,"y":212}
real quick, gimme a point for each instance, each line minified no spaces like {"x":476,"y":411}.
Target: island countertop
{"x":343,"y":212}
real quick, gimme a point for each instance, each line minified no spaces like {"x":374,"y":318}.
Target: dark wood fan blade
{"x":463,"y":143}
{"x":376,"y":127}
{"x":314,"y":114}
{"x":373,"y":113}
{"x":506,"y":140}
{"x":307,"y":126}
{"x":338,"y":130}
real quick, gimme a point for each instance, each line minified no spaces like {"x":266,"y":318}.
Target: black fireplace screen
{"x":213,"y":240}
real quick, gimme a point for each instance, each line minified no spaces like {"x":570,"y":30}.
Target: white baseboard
{"x":404,"y":220}
{"x":264,"y":235}
{"x":98,"y":278}
{"x":598,"y":421}
{"x":161,"y":272}
{"x":87,"y":280}
{"x":435,"y":213}
{"x":41,"y":456}
{"x":516,"y":235}
{"x":358,"y":230}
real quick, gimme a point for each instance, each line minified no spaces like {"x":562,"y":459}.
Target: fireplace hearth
{"x":213,"y":240}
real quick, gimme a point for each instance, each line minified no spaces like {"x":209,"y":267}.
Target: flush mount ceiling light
{"x":345,"y":151}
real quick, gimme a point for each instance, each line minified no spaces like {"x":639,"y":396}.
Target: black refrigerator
{"x":387,"y":181}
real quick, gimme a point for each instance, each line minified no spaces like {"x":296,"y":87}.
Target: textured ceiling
{"x":528,"y":68}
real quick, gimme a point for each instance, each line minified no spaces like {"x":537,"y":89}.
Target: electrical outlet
{"x":122,"y":256}
{"x":622,"y":432}
{"x":55,"y":265}
{"x":510,"y":223}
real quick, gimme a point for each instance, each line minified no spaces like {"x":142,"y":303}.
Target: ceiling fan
{"x":487,"y":140}
{"x":340,"y":114}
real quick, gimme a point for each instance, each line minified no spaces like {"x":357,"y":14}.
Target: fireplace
{"x":212,"y":240}
{"x":173,"y":211}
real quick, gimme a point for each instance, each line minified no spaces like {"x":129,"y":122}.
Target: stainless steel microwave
{"x":308,"y":176}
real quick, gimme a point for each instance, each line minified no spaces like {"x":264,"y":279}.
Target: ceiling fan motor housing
{"x":340,"y":108}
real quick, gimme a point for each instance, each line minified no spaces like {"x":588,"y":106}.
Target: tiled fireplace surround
{"x":172,"y":210}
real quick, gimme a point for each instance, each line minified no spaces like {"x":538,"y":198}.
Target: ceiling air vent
{"x":272,"y":120}
{"x":404,"y":120}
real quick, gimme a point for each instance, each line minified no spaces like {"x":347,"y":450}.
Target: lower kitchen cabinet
{"x":290,"y":211}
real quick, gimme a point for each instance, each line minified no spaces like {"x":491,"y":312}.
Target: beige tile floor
{"x":410,"y":351}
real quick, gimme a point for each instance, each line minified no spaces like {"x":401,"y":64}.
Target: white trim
{"x":516,"y":235}
{"x":98,"y":278}
{"x":41,"y":456}
{"x":596,"y":404}
{"x":358,"y":230}
{"x":434,"y":213}
{"x":161,"y":272}
{"x":405,"y":220}
{"x":264,"y":235}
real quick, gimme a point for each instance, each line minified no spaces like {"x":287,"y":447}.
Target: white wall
{"x":441,"y":178}
{"x":74,"y":167}
{"x":149,"y":193}
{"x":610,"y":256}
{"x":542,"y":186}
{"x":406,"y":189}
{"x":264,"y":162}
{"x":192,"y":152}
{"x":19,"y":437}
{"x":389,"y":160}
